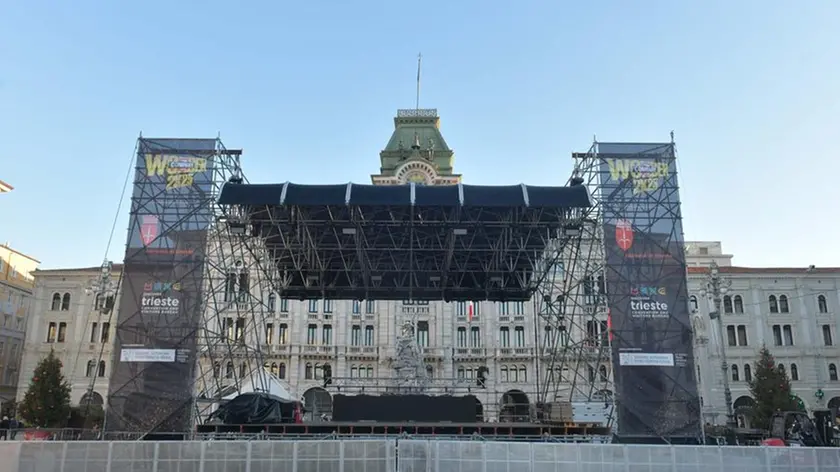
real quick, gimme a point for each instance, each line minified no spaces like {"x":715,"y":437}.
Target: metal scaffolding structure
{"x":571,"y":306}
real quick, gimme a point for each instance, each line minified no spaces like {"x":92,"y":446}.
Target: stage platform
{"x":518,"y":430}
{"x":406,"y":242}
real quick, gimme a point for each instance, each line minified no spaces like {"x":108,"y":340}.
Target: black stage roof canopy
{"x":405,"y":242}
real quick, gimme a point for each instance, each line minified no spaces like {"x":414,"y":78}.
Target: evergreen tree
{"x":770,"y":388}
{"x":46,"y":403}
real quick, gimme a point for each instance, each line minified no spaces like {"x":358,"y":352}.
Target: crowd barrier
{"x":402,"y":456}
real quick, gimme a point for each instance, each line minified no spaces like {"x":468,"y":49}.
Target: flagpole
{"x":417,"y":100}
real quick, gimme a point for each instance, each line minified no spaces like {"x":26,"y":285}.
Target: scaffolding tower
{"x":575,"y":364}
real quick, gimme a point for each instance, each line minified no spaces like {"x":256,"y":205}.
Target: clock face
{"x":417,"y":178}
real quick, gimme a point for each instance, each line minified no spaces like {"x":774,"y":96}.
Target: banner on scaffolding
{"x":151,"y":381}
{"x":656,"y":389}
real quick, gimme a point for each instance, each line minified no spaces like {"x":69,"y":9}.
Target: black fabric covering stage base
{"x":405,"y":408}
{"x":255,"y":408}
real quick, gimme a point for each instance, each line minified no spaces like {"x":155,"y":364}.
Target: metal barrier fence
{"x":402,"y":456}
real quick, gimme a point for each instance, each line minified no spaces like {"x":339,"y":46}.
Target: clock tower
{"x":416,"y":152}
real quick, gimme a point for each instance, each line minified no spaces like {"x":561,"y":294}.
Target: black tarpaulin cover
{"x":256,"y":408}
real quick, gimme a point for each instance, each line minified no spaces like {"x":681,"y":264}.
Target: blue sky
{"x":309,"y":90}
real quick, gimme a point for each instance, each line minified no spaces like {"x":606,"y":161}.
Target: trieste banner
{"x":656,"y":389}
{"x":151,"y":386}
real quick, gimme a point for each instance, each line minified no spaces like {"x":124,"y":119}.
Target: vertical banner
{"x":159,"y":315}
{"x":656,"y":390}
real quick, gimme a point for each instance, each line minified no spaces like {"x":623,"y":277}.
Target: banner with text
{"x":151,"y":385}
{"x":656,"y":390}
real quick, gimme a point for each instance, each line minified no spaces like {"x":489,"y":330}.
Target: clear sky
{"x":309,"y":89}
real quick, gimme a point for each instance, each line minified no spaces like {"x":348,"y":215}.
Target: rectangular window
{"x":475,"y":337}
{"x":462,"y":336}
{"x":742,"y":335}
{"x":730,"y":335}
{"x":311,"y":334}
{"x":284,"y":305}
{"x":313,"y":306}
{"x":370,"y":307}
{"x":518,"y":308}
{"x":106,"y":332}
{"x":62,"y":332}
{"x":227,"y":329}
{"x":244,"y":286}
{"x":93,"y":332}
{"x":269,"y":333}
{"x":461,"y":309}
{"x":283,"y":333}
{"x":787,"y":330}
{"x":503,"y":308}
{"x":230,"y":286}
{"x":328,"y":306}
{"x":272,"y":303}
{"x":777,"y":335}
{"x":369,"y":338}
{"x":240,"y":329}
{"x":357,"y":307}
{"x":51,"y":333}
{"x":326,"y":335}
{"x":504,"y":336}
{"x":423,"y":333}
{"x":519,"y":336}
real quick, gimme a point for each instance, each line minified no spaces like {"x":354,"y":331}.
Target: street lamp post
{"x":716,"y":286}
{"x":104,"y":287}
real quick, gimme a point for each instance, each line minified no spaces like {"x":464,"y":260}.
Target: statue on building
{"x":410,"y":368}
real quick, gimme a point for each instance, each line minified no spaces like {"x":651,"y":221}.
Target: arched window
{"x":102,"y":368}
{"x":273,"y":368}
{"x":794,"y":372}
{"x":354,"y":371}
{"x":56,"y":302}
{"x":591,"y":372}
{"x":65,"y":302}
{"x":727,"y":304}
{"x":747,"y":373}
{"x":281,"y":371}
{"x":503,"y":374}
{"x":832,"y":372}
{"x":91,"y":367}
{"x":272,"y":302}
{"x":430,"y":371}
{"x":307,"y":371}
{"x":735,"y":376}
{"x":243,"y":370}
{"x":822,"y":304}
{"x":693,"y":302}
{"x":462,"y":373}
{"x":370,"y":371}
{"x":739,"y":304}
{"x":217,"y":370}
{"x":602,"y":370}
{"x":319,"y":371}
{"x":229,"y":370}
{"x":781,"y":368}
{"x":774,"y":305}
{"x":523,"y":373}
{"x":783,"y":304}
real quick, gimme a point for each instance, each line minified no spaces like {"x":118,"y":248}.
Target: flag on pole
{"x":469,"y":311}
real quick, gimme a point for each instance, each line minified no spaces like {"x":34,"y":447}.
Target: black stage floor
{"x":415,"y":429}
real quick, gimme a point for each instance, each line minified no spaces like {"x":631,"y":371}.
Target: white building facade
{"x":65,"y":318}
{"x":791,"y":311}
